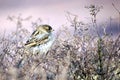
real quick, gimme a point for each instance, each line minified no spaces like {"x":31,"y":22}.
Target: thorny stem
{"x":100,"y":68}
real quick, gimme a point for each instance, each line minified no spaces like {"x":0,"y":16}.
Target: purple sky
{"x":53,"y":11}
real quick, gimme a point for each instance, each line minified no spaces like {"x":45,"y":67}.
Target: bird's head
{"x":45,"y":28}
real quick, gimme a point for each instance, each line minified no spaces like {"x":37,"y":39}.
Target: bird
{"x":40,"y":40}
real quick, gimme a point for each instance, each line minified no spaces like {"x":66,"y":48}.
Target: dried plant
{"x":73,"y":56}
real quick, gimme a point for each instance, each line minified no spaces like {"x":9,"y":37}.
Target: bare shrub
{"x":73,"y":56}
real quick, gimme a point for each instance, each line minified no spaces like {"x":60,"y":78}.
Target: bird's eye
{"x":50,"y":28}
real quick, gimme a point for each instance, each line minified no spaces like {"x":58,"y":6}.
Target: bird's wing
{"x":43,"y":40}
{"x":30,"y":43}
{"x":36,"y":32}
{"x":37,"y":41}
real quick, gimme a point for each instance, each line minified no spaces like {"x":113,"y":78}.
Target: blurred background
{"x":54,"y":12}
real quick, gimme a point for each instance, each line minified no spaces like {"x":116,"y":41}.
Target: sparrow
{"x":40,"y":40}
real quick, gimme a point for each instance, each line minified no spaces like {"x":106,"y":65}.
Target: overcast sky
{"x":53,"y":11}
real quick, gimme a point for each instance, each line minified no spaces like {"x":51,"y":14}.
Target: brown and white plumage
{"x":41,"y":39}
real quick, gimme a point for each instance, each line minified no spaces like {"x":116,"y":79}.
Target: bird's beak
{"x":53,"y":30}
